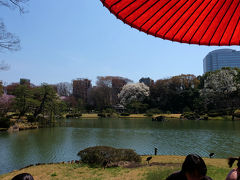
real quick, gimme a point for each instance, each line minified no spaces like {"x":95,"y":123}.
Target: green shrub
{"x":54,"y":174}
{"x":154,"y":111}
{"x":220,"y":112}
{"x":4,"y":122}
{"x":168,"y":112}
{"x":76,"y":115}
{"x":237,"y":113}
{"x":186,"y":109}
{"x":98,"y":154}
{"x":15,"y":115}
{"x":31,"y":118}
{"x":149,"y":114}
{"x":190,"y":115}
{"x":215,"y":114}
{"x":109,"y":110}
{"x":125,"y":114}
{"x":102,"y":115}
{"x":205,"y":117}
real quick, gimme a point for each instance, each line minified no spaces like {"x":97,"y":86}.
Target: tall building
{"x":25,"y":81}
{"x":80,"y":88}
{"x":221,"y":58}
{"x":147,"y":81}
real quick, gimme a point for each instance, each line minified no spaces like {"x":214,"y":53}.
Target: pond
{"x":62,"y":143}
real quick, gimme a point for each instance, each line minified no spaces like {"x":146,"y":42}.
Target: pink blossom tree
{"x":6,"y":103}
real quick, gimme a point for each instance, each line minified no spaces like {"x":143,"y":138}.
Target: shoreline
{"x":164,"y":164}
{"x":35,"y":125}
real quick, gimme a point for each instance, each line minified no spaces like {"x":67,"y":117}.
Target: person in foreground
{"x":23,"y":176}
{"x":234,"y":174}
{"x":193,"y":168}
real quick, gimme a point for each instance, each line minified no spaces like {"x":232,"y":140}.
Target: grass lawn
{"x":89,"y":116}
{"x":161,"y":167}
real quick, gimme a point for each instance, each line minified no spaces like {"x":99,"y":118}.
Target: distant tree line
{"x":213,"y":93}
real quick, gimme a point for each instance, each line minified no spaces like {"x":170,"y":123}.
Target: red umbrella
{"x":203,"y":22}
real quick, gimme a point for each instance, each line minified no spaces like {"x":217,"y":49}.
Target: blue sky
{"x":69,"y":39}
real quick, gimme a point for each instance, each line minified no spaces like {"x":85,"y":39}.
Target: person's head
{"x":194,"y":167}
{"x":23,"y":176}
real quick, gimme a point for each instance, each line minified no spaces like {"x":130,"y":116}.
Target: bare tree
{"x":8,"y":40}
{"x":12,"y":4}
{"x":64,"y":89}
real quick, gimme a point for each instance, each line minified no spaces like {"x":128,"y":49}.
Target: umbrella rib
{"x":179,"y":18}
{"x":161,"y":17}
{"x":211,"y":22}
{"x":144,"y":12}
{"x":125,"y":7}
{"x":234,"y":31}
{"x":195,"y":20}
{"x":228,"y":22}
{"x":135,"y":11}
{"x":110,"y":8}
{"x":187,"y":20}
{"x":154,"y":14}
{"x":169,"y":17}
{"x":220,"y":22}
{"x":202,"y":22}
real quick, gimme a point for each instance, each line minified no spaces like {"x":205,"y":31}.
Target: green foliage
{"x":186,"y":109}
{"x":190,"y":116}
{"x":104,"y":115}
{"x":109,"y":111}
{"x":237,"y":113}
{"x":137,"y":107}
{"x":125,"y":114}
{"x":4,"y":122}
{"x":149,"y":114}
{"x":31,"y":118}
{"x":54,"y":174}
{"x":219,"y":112}
{"x":76,"y":115}
{"x":23,"y":100}
{"x":48,"y":102}
{"x":98,"y":154}
{"x":154,"y":111}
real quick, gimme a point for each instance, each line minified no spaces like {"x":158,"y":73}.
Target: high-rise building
{"x":80,"y":88}
{"x":25,"y":81}
{"x":221,"y":58}
{"x":147,"y":81}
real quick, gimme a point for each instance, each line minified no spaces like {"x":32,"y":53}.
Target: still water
{"x":174,"y":137}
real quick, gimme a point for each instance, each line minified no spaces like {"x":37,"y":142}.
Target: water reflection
{"x":175,"y":137}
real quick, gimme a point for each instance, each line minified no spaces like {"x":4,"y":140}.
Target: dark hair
{"x":23,"y":176}
{"x":231,"y":160}
{"x":194,"y":163}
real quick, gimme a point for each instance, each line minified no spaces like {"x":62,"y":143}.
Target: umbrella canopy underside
{"x":203,"y":22}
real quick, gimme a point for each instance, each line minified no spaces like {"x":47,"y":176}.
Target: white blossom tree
{"x":221,"y":88}
{"x":223,"y":81}
{"x":133,"y":92}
